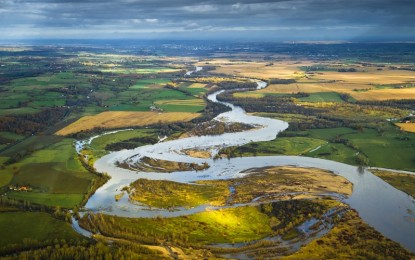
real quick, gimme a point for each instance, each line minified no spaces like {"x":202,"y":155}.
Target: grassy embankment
{"x":401,"y":181}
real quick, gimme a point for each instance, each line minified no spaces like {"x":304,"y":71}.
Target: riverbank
{"x":368,"y":190}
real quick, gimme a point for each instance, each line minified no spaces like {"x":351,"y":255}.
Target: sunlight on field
{"x":385,"y":94}
{"x":312,"y":87}
{"x":197,"y":85}
{"x":369,"y":76}
{"x":361,"y":85}
{"x":262,"y":70}
{"x":119,"y":119}
{"x":249,"y":95}
{"x":408,"y":127}
{"x":374,"y":82}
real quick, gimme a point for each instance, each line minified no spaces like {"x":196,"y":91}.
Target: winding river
{"x":387,"y":209}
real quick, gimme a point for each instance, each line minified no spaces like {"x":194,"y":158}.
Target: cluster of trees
{"x":71,"y":90}
{"x":316,"y":123}
{"x":361,"y":158}
{"x":97,"y":182}
{"x":217,"y":128}
{"x":11,"y":75}
{"x":131,"y":143}
{"x":281,"y":81}
{"x":351,"y":240}
{"x":65,"y":250}
{"x":401,"y":104}
{"x":150,"y":164}
{"x":232,"y":152}
{"x":184,"y":91}
{"x":291,"y":213}
{"x":346,"y":97}
{"x":273,"y":104}
{"x":4,"y":140}
{"x":24,"y":205}
{"x":110,"y":227}
{"x":211,"y":111}
{"x":32,"y":123}
{"x":228,"y":85}
{"x":321,"y":117}
{"x":347,"y":70}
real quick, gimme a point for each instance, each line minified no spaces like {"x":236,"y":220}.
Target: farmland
{"x":407,"y":127}
{"x":55,"y":176}
{"x":342,"y":107}
{"x":120,"y":119}
{"x":371,"y":82}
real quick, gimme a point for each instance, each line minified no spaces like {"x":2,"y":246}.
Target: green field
{"x":335,"y":152}
{"x":190,"y":105}
{"x":100,"y":142}
{"x":389,"y":149}
{"x":149,"y":70}
{"x":322,"y":97}
{"x":32,"y":226}
{"x":393,"y":149}
{"x":283,"y":145}
{"x":329,"y":133}
{"x":97,"y":147}
{"x":31,"y":94}
{"x":56,"y":199}
{"x":143,"y":99}
{"x":32,"y":143}
{"x":168,"y":194}
{"x":146,"y":83}
{"x":55,"y":175}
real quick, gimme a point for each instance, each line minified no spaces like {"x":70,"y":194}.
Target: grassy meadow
{"x":21,"y":229}
{"x":55,"y":175}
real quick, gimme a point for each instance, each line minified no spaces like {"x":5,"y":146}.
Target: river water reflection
{"x":387,"y":209}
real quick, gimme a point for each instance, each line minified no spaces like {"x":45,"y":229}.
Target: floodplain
{"x":357,"y":110}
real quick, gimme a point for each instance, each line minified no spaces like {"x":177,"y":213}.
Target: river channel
{"x":385,"y":208}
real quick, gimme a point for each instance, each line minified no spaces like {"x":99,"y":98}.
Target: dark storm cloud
{"x":294,"y":19}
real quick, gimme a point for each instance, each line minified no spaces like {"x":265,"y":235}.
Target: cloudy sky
{"x":281,"y":20}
